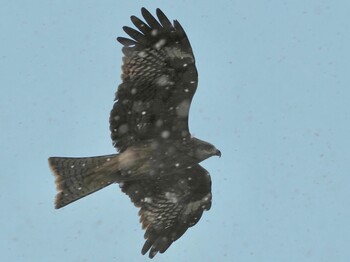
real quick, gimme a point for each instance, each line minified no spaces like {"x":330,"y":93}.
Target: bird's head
{"x":204,"y":150}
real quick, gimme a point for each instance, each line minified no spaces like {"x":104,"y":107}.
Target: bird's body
{"x":157,"y":165}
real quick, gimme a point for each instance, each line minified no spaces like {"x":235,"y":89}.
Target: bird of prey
{"x":157,"y":164}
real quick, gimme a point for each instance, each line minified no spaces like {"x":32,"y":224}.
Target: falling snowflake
{"x":160,"y":44}
{"x":165,"y":134}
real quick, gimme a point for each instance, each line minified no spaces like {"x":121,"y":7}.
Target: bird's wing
{"x":159,"y":80}
{"x":169,"y":205}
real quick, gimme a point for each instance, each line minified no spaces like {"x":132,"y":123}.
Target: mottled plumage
{"x":157,"y":164}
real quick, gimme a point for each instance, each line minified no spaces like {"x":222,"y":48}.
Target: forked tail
{"x":79,"y":177}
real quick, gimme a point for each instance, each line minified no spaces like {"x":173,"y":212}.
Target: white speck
{"x":162,"y":80}
{"x":177,"y":164}
{"x":143,"y":112}
{"x":190,"y":178}
{"x":171,"y":196}
{"x":133,"y":91}
{"x":193,"y":82}
{"x":79,"y":188}
{"x":159,"y":122}
{"x":184,"y":65}
{"x":147,"y":200}
{"x":142,"y":54}
{"x":160,"y":44}
{"x":72,"y":166}
{"x":123,"y":129}
{"x":183,"y":109}
{"x":83,"y":164}
{"x":121,"y":184}
{"x":116,"y":118}
{"x":108,"y":159}
{"x":136,"y":192}
{"x":178,"y":53}
{"x":186,"y":90}
{"x":165,"y":134}
{"x":154,"y":32}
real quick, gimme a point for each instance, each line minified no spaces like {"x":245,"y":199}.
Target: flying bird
{"x":157,"y":164}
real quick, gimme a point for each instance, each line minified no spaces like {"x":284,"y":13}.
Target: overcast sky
{"x":273,"y":96}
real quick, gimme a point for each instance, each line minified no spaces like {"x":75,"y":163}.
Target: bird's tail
{"x":79,"y":177}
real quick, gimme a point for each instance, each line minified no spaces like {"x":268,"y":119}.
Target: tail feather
{"x":79,"y":177}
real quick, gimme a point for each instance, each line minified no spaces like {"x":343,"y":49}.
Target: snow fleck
{"x":83,"y":164}
{"x":162,"y":80}
{"x":159,"y":122}
{"x":193,"y":82}
{"x":177,"y":53}
{"x":154,"y":32}
{"x":177,"y":164}
{"x":147,"y":200}
{"x":116,"y":118}
{"x":171,"y":196}
{"x":186,"y":90}
{"x":160,"y":44}
{"x":123,"y":129}
{"x":133,"y":91}
{"x":79,"y":188}
{"x":136,"y":192}
{"x":108,"y":159}
{"x":183,"y":109}
{"x":184,"y":65}
{"x":189,"y":178}
{"x":165,"y":134}
{"x":142,"y":54}
{"x":72,"y":166}
{"x":143,"y":113}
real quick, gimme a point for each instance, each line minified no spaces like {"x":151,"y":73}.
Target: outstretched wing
{"x":169,"y":206}
{"x":159,"y":80}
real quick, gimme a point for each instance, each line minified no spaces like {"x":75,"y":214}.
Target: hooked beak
{"x":218,"y":153}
